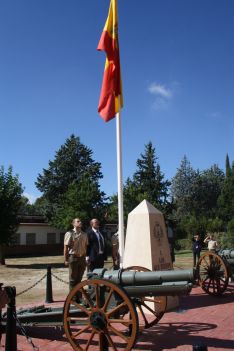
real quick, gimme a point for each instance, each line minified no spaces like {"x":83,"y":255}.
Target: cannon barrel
{"x":154,"y":283}
{"x":165,"y":289}
{"x":227,"y":253}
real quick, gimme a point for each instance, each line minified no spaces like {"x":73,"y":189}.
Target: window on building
{"x":51,"y":238}
{"x":30,"y":238}
{"x":61,"y":239}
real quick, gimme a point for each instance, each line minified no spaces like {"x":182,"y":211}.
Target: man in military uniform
{"x":75,"y":246}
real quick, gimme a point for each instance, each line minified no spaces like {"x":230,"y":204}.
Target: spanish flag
{"x":111,"y":99}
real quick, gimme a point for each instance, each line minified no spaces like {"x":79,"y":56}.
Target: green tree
{"x":149,"y":178}
{"x":147,"y":183}
{"x":206,"y":189}
{"x":182,"y":188}
{"x":82,"y":199}
{"x":29,"y":209}
{"x":73,"y":169}
{"x":227,"y":166}
{"x":10,"y":202}
{"x":226,"y":198}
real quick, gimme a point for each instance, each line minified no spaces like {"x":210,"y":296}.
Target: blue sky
{"x":177,"y":62}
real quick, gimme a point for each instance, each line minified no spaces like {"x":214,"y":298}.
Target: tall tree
{"x":227,"y":166}
{"x":149,"y":177}
{"x":10,"y":202}
{"x":206,"y":189}
{"x":82,"y":199}
{"x":72,"y":165}
{"x":181,"y":188}
{"x":147,"y":182}
{"x":226,"y":198}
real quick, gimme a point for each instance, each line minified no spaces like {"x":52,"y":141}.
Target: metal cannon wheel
{"x":150,"y":309}
{"x":212,"y":273}
{"x":106,"y":325}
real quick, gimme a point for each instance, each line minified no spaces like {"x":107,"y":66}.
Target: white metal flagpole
{"x":120,"y":186}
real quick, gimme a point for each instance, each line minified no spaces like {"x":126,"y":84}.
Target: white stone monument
{"x":146,"y":242}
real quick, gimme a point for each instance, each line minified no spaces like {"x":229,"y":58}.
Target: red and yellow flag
{"x":111,"y":99}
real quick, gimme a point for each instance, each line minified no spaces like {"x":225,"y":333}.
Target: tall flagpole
{"x":110,"y":102}
{"x":120,"y":186}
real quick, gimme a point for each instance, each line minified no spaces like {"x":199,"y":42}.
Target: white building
{"x":35,"y":236}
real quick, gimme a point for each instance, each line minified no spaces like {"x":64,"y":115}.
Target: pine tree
{"x":181,"y":188}
{"x":72,"y":167}
{"x":228,"y":168}
{"x":147,"y":182}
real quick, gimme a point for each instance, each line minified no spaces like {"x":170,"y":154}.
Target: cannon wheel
{"x":212,"y":273}
{"x":143,"y":309}
{"x":103,"y":323}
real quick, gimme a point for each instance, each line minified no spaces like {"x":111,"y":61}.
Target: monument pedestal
{"x":146,"y":242}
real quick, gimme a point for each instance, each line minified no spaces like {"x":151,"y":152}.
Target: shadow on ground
{"x":171,"y":335}
{"x":201,"y":299}
{"x":36,"y":265}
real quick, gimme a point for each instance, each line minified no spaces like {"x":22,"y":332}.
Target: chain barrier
{"x":27,"y":289}
{"x":23,"y":331}
{"x":59,"y":279}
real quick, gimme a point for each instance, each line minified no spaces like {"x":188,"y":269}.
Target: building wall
{"x":37,"y":238}
{"x":43,"y":239}
{"x":41,"y":231}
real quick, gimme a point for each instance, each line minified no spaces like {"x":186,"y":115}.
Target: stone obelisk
{"x":146,"y":242}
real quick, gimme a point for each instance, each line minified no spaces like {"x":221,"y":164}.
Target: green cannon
{"x":227,"y":253}
{"x":116,"y":304}
{"x":215,"y":270}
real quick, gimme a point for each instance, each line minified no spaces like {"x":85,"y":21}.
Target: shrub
{"x":183,"y":244}
{"x":226,"y":240}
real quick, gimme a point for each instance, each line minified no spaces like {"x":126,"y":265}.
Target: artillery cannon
{"x":109,"y":304}
{"x":214,"y":270}
{"x":114,"y":305}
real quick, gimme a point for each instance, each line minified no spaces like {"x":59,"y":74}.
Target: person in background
{"x":171,"y":241}
{"x":196,"y":248}
{"x":96,"y":250}
{"x":115,"y":250}
{"x":75,"y":247}
{"x":212,"y":243}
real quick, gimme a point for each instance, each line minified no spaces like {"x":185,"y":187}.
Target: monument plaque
{"x":146,"y":242}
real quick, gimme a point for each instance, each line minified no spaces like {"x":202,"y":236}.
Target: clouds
{"x":162,"y":94}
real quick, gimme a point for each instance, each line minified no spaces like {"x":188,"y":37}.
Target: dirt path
{"x":23,"y":273}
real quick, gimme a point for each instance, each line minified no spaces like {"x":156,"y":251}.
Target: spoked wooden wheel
{"x":150,"y":309}
{"x":101,"y":324}
{"x":212,"y":273}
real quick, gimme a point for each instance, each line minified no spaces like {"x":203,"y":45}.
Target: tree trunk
{"x":2,"y":254}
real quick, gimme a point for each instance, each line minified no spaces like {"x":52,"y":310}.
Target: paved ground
{"x":199,"y":319}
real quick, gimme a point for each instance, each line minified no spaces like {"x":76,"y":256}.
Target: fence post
{"x":11,"y":338}
{"x":49,"y":294}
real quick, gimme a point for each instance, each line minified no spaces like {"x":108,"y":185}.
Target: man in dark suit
{"x":96,"y":250}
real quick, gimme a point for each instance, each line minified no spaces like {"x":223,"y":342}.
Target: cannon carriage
{"x":215,"y":270}
{"x":112,"y":307}
{"x":110,"y":300}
